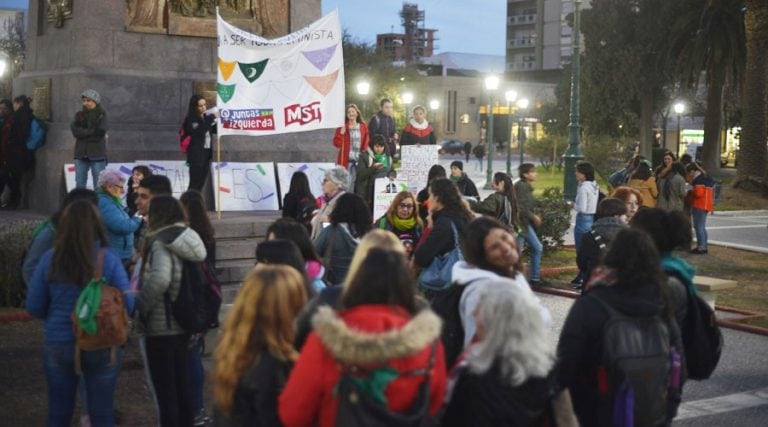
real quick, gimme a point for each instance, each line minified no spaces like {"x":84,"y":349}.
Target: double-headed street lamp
{"x":510,"y":95}
{"x":363,"y":88}
{"x":522,"y":105}
{"x":491,"y":84}
{"x":573,"y":154}
{"x":679,"y":109}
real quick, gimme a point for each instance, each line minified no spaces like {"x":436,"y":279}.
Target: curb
{"x":15,"y":316}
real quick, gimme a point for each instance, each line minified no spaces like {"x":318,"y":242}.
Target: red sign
{"x":303,"y":114}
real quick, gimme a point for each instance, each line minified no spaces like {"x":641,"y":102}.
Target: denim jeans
{"x":700,"y":227}
{"x":196,"y":372}
{"x":100,"y":380}
{"x":530,"y":238}
{"x":81,"y":171}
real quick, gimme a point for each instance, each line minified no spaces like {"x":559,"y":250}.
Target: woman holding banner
{"x":351,"y":140}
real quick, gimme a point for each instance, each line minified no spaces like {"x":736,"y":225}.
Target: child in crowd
{"x":372,"y":164}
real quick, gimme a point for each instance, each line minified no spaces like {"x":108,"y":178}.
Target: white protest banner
{"x":176,"y":170}
{"x":315,"y":173}
{"x":125,"y":170}
{"x":246,"y":186}
{"x":294,"y":83}
{"x":415,"y":164}
{"x":384,"y":191}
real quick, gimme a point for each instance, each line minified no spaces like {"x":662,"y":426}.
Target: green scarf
{"x":381,"y":158}
{"x":403,"y":224}
{"x":683,"y":270}
{"x":92,"y":116}
{"x":456,"y":178}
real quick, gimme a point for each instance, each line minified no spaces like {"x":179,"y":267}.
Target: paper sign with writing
{"x":69,"y":175}
{"x":246,"y":186}
{"x":177,"y":172}
{"x":315,"y":173}
{"x":384,"y":191}
{"x":416,"y":161}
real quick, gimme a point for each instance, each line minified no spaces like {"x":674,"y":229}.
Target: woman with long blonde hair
{"x":255,"y":352}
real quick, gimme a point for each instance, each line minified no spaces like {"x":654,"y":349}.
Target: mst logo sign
{"x":248,"y":119}
{"x":303,"y":114}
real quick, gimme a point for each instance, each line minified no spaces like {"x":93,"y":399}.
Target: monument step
{"x":233,"y":249}
{"x":233,"y":271}
{"x":243,"y":224}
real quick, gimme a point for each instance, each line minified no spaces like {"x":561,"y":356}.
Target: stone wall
{"x":145,"y":81}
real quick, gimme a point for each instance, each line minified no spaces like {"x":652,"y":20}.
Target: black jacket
{"x":255,"y":400}
{"x":590,"y":252}
{"x":196,"y":127}
{"x":579,"y":349}
{"x":467,"y":187}
{"x":486,"y":400}
{"x":440,"y":239}
{"x":19,"y":158}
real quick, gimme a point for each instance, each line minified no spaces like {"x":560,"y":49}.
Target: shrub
{"x":14,"y":238}
{"x":607,"y":154}
{"x":555,"y":218}
{"x":548,"y":151}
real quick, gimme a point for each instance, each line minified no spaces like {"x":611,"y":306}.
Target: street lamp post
{"x":407,"y":99}
{"x":491,"y":84}
{"x":522,"y":105}
{"x":573,"y":154}
{"x":363,"y":88}
{"x":510,"y":95}
{"x":4,"y":60}
{"x":434,"y":105}
{"x":679,"y":109}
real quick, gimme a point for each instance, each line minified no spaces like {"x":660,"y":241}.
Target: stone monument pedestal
{"x":145,"y":77}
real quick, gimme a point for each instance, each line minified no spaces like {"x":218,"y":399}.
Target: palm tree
{"x":753,"y":153}
{"x":711,"y":39}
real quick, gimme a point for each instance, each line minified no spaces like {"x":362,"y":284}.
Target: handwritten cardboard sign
{"x":416,"y":161}
{"x":245,"y":186}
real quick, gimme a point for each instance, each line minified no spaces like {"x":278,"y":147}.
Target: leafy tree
{"x":753,"y":153}
{"x":12,"y":43}
{"x":362,"y":62}
{"x":710,"y":38}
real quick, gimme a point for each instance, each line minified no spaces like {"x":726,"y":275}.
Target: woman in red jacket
{"x":351,"y":140}
{"x":379,"y":333}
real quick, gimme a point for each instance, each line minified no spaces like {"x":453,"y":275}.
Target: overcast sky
{"x":472,"y":27}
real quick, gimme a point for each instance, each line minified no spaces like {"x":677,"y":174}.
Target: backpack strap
{"x":97,"y":269}
{"x":98,"y":276}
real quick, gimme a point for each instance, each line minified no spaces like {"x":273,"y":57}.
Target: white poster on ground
{"x":176,"y":170}
{"x":246,"y":186}
{"x":125,"y":170}
{"x":315,"y":173}
{"x":294,"y":83}
{"x":384,"y":191}
{"x":415,"y":163}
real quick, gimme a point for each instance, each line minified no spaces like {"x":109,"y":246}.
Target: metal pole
{"x":677,"y":153}
{"x":573,"y":154}
{"x":509,"y":143}
{"x":489,"y":172}
{"x":520,"y":139}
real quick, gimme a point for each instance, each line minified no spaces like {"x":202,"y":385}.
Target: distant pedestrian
{"x":90,"y":131}
{"x":201,"y":127}
{"x":529,"y":220}
{"x":467,"y":151}
{"x":479,"y":152}
{"x":702,"y":204}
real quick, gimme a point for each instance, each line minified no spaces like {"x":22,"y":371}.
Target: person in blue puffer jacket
{"x":52,"y":295}
{"x":120,"y":226}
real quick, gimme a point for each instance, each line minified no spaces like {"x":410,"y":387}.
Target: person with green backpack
{"x":58,"y":286}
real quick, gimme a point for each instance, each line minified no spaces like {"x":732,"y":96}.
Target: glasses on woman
{"x":406,"y":206}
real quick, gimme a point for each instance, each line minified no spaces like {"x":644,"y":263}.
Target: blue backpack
{"x":36,"y":134}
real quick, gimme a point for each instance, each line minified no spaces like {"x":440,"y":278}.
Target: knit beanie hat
{"x":338,"y":176}
{"x":458,"y":163}
{"x":92,"y":95}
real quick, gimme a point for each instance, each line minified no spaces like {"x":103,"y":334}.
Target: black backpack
{"x":639,"y":372}
{"x":445,"y":304}
{"x":306,"y":211}
{"x":702,"y":338}
{"x":357,"y":408}
{"x":196,"y":308}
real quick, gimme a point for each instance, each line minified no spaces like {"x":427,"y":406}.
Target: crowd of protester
{"x":334,"y":324}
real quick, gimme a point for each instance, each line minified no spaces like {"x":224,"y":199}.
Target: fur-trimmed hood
{"x":354,"y":346}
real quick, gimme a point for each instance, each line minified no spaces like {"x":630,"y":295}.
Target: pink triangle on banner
{"x":321,"y":57}
{"x":323,"y":84}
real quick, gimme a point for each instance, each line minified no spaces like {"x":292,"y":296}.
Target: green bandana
{"x":374,"y":385}
{"x":88,"y":304}
{"x":381,"y":158}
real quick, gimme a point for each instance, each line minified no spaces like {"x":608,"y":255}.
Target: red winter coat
{"x":354,"y":337}
{"x":343,"y":143}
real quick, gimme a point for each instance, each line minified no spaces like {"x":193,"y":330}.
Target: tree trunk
{"x":753,"y":153}
{"x":713,"y":118}
{"x":646,"y":124}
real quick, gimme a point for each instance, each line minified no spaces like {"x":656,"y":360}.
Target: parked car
{"x":451,"y":146}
